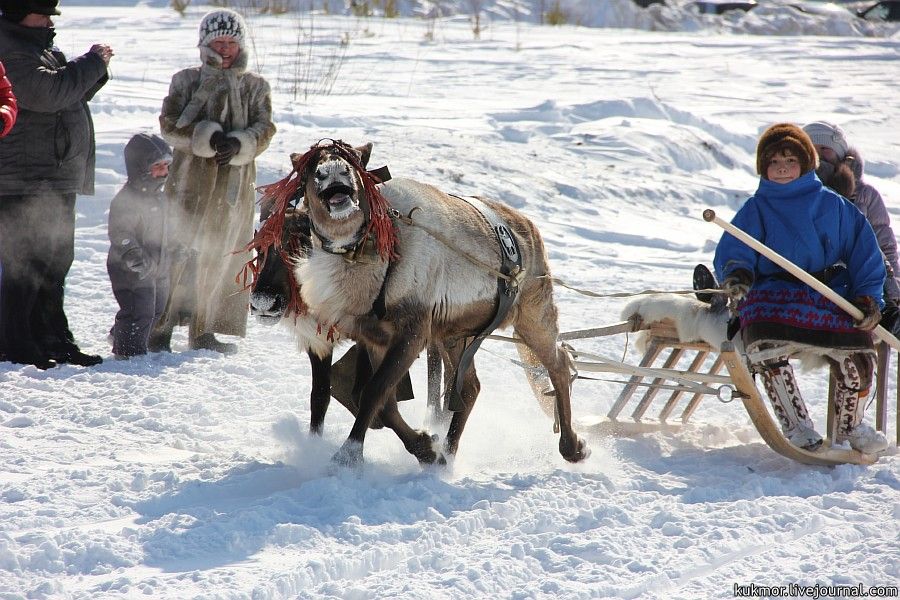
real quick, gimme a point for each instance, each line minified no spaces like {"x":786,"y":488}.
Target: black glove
{"x":226,"y":150}
{"x":871,"y":313}
{"x":134,"y":261}
{"x":737,"y":283}
{"x":142,"y":269}
{"x":215,"y":139}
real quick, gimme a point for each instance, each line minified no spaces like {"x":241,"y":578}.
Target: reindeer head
{"x":274,"y":285}
{"x":334,"y":191}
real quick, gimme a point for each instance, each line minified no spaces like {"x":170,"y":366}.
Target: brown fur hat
{"x":785,"y":136}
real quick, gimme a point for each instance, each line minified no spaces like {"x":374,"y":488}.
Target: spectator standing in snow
{"x":8,"y":106}
{"x":218,"y":119}
{"x":796,"y":216}
{"x":841,"y":169}
{"x":138,"y":258}
{"x":45,"y":160}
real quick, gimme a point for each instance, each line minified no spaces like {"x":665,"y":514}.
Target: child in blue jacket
{"x":815,"y":228}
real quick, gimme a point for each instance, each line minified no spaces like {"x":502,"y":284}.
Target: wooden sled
{"x":699,"y":381}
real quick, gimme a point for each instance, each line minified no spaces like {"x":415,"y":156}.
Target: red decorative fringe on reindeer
{"x":280,"y":194}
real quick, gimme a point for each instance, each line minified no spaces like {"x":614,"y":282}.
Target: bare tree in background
{"x":476,"y":17}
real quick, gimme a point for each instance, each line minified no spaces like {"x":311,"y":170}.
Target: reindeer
{"x":274,"y":299}
{"x":382,"y":271}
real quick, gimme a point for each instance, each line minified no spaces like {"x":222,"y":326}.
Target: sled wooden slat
{"x":629,"y":326}
{"x":669,"y":406}
{"x":830,"y":424}
{"x":663,"y":336}
{"x":883,"y":364}
{"x":694,"y":402}
{"x":685,"y":377}
{"x":653,"y":351}
{"x":650,"y":394}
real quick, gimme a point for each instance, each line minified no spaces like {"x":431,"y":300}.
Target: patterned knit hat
{"x":829,"y":135}
{"x":785,"y":136}
{"x":221,"y":23}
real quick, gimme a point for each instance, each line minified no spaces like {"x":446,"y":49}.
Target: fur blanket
{"x":694,"y":321}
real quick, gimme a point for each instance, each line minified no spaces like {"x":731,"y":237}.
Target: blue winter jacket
{"x":814,"y":228}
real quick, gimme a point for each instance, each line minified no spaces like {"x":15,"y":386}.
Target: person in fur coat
{"x":138,"y":254}
{"x":8,"y":106}
{"x":841,"y":169}
{"x":815,"y":228}
{"x":218,"y":119}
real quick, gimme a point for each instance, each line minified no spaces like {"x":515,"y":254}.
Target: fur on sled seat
{"x":693,"y":320}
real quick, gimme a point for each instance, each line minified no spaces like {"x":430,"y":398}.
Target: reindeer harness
{"x":507,"y":291}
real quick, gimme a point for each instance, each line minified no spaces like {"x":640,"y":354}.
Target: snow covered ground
{"x":190,"y":475}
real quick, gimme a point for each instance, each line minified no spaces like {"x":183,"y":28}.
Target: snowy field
{"x":190,"y":475}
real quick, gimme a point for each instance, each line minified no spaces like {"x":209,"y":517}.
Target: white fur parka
{"x":213,"y":205}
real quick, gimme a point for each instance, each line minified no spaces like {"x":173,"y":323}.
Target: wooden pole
{"x":880,"y":332}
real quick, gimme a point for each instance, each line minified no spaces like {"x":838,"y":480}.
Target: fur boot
{"x":853,"y":378}
{"x":781,"y":388}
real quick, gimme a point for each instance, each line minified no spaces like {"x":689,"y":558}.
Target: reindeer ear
{"x":365,"y":152}
{"x":295,"y":158}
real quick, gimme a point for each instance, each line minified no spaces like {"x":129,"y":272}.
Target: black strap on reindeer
{"x":507,"y":290}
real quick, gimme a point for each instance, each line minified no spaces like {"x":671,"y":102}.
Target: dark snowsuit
{"x":138,"y":261}
{"x":45,"y":160}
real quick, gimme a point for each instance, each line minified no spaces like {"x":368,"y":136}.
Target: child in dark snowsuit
{"x":138,"y":258}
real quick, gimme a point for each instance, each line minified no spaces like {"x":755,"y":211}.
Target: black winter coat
{"x":53,"y":140}
{"x":138,"y":225}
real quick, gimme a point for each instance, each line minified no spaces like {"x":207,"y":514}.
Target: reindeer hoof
{"x":422,"y":447}
{"x":350,"y":455}
{"x":577,"y":454}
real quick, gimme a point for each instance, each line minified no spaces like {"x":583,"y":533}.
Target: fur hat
{"x":221,"y":23}
{"x":785,"y":136}
{"x":829,"y":135}
{"x":16,"y":10}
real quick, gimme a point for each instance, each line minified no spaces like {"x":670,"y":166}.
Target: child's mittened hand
{"x":737,"y":283}
{"x":871,"y":313}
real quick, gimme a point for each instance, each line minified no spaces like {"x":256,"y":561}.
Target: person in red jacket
{"x":8,"y":106}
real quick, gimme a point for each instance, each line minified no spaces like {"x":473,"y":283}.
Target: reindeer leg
{"x":436,"y":413}
{"x":418,"y":443}
{"x":320,"y":395}
{"x":375,"y":395}
{"x":536,"y":325}
{"x":469,"y":393}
